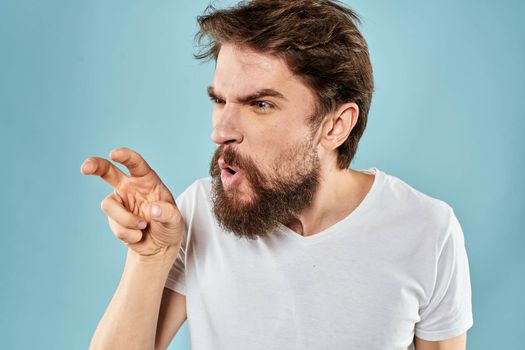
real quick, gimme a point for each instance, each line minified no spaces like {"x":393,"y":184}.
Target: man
{"x":284,"y":246}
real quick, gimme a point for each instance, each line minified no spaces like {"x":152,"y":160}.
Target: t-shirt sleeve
{"x":448,"y":312}
{"x":176,"y":280}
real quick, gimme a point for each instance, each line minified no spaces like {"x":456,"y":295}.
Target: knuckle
{"x":167,"y":211}
{"x":133,"y":221}
{"x":120,"y":233}
{"x":107,"y":203}
{"x":104,"y":205}
{"x":177,"y":217}
{"x":174,"y":216}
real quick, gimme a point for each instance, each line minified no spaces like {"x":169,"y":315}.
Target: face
{"x":265,"y":169}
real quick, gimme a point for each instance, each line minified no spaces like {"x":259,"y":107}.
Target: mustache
{"x":233,"y":157}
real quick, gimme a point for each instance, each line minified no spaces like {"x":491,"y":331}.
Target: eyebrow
{"x":251,"y":97}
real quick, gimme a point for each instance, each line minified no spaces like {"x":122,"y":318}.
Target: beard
{"x":273,"y":199}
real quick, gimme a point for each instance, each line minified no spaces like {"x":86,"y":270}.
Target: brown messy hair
{"x":319,"y":41}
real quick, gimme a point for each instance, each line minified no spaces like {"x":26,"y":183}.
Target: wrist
{"x":165,"y":255}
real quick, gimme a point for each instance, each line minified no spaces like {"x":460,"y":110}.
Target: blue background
{"x":79,"y":78}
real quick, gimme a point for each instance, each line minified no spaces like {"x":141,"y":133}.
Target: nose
{"x":226,"y":126}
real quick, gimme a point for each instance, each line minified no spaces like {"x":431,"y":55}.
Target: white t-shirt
{"x":394,"y":267}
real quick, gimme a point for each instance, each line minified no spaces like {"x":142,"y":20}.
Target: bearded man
{"x":284,"y":246}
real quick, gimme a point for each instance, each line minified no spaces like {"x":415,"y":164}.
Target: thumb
{"x":165,"y":213}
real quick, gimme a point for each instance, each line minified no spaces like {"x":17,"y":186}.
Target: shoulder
{"x":417,"y":209}
{"x":397,"y":192}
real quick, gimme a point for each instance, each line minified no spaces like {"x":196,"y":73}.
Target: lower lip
{"x":230,"y":180}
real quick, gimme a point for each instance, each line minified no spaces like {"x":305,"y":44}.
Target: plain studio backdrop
{"x":79,"y":78}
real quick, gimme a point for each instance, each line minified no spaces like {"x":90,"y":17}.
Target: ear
{"x":337,"y":125}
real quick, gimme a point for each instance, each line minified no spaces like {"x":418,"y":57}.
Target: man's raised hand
{"x":141,"y":210}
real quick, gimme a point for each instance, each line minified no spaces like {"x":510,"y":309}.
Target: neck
{"x":340,"y":191}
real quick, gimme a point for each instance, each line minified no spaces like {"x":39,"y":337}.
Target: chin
{"x":239,"y":197}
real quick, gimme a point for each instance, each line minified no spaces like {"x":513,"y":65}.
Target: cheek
{"x":269,"y":144}
{"x":272,"y":154}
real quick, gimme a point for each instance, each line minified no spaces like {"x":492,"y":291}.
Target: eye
{"x":262,"y":104}
{"x":216,"y":100}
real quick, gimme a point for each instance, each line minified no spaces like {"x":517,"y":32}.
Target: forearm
{"x":130,"y":320}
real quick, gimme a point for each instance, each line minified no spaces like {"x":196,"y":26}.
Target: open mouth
{"x":230,"y":168}
{"x":231,"y":175}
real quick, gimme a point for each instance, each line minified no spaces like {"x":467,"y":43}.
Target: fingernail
{"x":86,"y":166}
{"x":112,"y":153}
{"x":142,"y":225}
{"x":155,"y":211}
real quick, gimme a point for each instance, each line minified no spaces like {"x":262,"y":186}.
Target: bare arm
{"x":143,"y":214}
{"x":456,"y":343}
{"x":130,"y":320}
{"x":172,"y":315}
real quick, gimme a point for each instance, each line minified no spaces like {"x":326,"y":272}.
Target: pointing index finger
{"x":103,"y":168}
{"x":132,"y":160}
